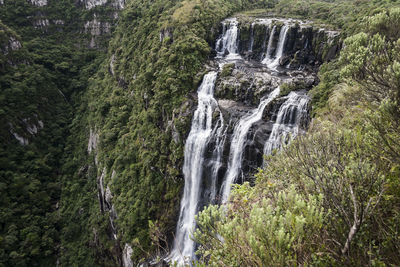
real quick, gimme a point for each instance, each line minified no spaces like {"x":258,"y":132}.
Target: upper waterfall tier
{"x":227,"y":44}
{"x":279,"y":42}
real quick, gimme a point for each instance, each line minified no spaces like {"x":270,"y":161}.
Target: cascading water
{"x":220,"y":135}
{"x":208,"y":169}
{"x":196,"y":143}
{"x":227,"y":44}
{"x":269,"y":47}
{"x":200,"y":135}
{"x":273,"y":63}
{"x":251,"y":44}
{"x":292,"y":113}
{"x":238,"y":142}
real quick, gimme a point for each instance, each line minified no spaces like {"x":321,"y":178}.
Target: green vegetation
{"x":41,"y":76}
{"x":286,"y":88}
{"x":227,"y":70}
{"x":331,"y":198}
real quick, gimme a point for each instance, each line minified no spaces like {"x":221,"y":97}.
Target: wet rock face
{"x":245,"y":83}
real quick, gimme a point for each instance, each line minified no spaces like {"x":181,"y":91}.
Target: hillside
{"x":200,"y":132}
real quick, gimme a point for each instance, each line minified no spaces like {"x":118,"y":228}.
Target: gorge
{"x":199,"y":133}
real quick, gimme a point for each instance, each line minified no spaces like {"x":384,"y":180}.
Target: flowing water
{"x":238,"y":142}
{"x":195,"y":146}
{"x":272,"y":63}
{"x":227,"y":45}
{"x":269,"y":47}
{"x":292,"y":113}
{"x":200,"y":135}
{"x":251,"y":44}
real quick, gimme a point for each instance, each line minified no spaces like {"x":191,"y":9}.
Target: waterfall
{"x":220,"y":133}
{"x":269,"y":47}
{"x":227,"y":44}
{"x":205,"y":163}
{"x":238,"y":142}
{"x":291,"y":115}
{"x":273,"y":63}
{"x":251,"y":44}
{"x":196,"y":143}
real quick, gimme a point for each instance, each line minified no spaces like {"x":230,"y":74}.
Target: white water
{"x":228,"y":40}
{"x":205,"y":143}
{"x":200,"y":135}
{"x":287,"y":125}
{"x":269,"y":47}
{"x":238,"y":142}
{"x":220,"y":134}
{"x":196,"y":144}
{"x":272,"y":63}
{"x":251,"y":37}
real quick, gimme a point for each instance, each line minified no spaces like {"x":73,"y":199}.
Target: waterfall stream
{"x":292,"y":113}
{"x":200,"y":134}
{"x":238,"y":142}
{"x":269,"y":47}
{"x":272,"y":63}
{"x":196,"y":143}
{"x":251,"y":44}
{"x":227,"y":45}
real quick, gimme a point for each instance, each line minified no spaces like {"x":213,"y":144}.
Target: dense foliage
{"x":42,"y":72}
{"x":332,"y":196}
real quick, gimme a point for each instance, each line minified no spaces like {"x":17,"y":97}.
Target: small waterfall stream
{"x":238,"y":142}
{"x":227,"y":45}
{"x":273,"y":63}
{"x":251,"y":44}
{"x":269,"y":47}
{"x":220,"y":135}
{"x":292,"y":113}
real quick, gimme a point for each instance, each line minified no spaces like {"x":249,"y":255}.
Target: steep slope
{"x":94,"y":132}
{"x":44,"y":67}
{"x":34,"y":116}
